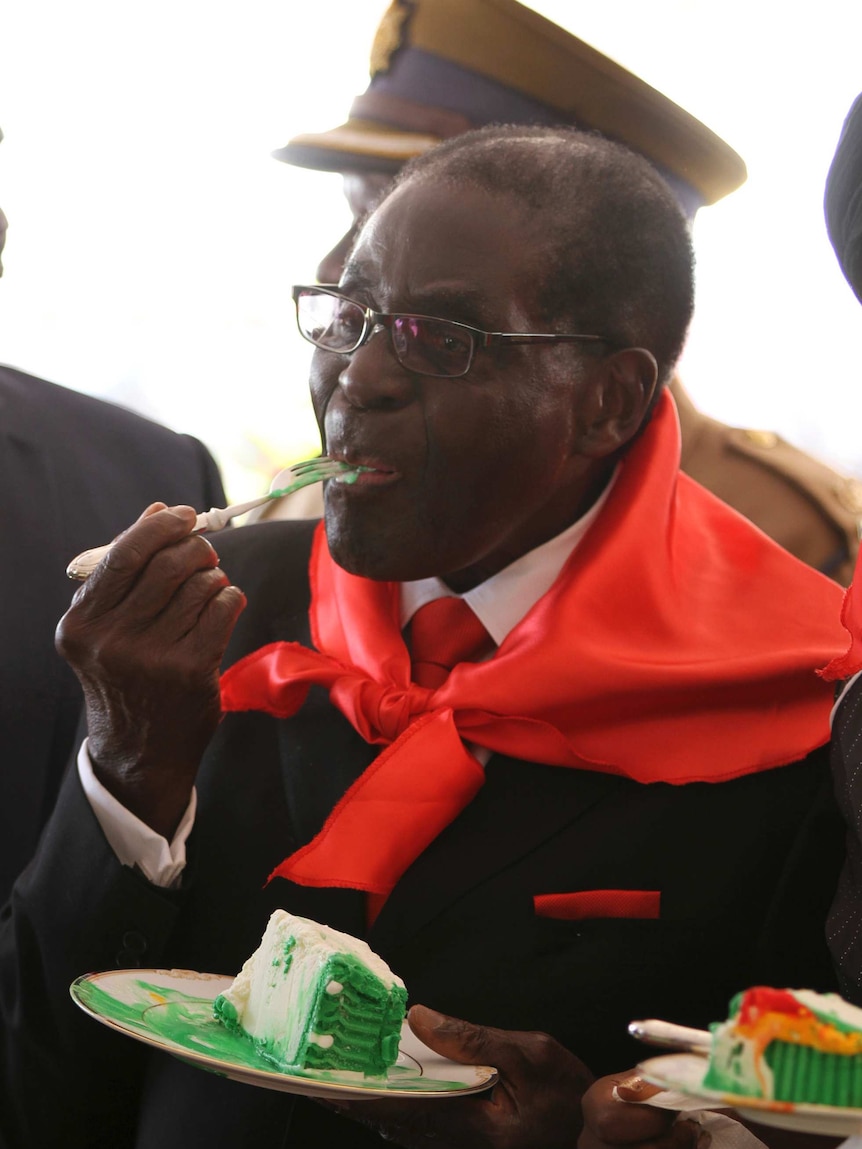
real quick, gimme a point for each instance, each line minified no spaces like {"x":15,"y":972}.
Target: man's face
{"x":363,"y":193}
{"x":472,"y":472}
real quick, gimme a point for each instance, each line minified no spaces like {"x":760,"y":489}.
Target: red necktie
{"x":443,"y":633}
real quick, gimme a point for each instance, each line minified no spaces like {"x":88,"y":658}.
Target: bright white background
{"x":153,"y":240}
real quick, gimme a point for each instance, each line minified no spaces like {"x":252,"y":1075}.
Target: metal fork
{"x":298,"y":476}
{"x":670,"y":1036}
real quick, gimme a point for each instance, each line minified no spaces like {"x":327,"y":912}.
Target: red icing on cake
{"x":761,"y":999}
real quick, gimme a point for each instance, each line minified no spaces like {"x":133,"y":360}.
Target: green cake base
{"x":314,"y":998}
{"x":803,"y":1074}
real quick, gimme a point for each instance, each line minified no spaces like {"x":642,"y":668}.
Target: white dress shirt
{"x":500,"y":603}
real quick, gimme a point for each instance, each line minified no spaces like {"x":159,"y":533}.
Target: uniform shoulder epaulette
{"x":808,"y":507}
{"x":839,"y":496}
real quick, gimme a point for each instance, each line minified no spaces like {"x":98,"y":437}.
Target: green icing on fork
{"x":312,"y":471}
{"x":348,"y":475}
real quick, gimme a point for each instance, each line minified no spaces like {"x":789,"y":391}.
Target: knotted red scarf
{"x":678,"y":644}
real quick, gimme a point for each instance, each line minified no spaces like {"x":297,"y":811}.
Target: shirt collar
{"x":502,"y":600}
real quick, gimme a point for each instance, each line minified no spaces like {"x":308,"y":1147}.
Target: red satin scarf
{"x":849,"y":662}
{"x":678,"y":644}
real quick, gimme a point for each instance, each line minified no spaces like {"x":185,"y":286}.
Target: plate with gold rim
{"x":172,"y":1010}
{"x":684,"y":1072}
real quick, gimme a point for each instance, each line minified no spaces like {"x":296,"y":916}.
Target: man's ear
{"x":616,"y":401}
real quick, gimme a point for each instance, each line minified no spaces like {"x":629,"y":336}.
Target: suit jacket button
{"x":134,"y":945}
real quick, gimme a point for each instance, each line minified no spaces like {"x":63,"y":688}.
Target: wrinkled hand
{"x":609,"y":1122}
{"x":535,"y":1105}
{"x":145,"y":635}
{"x":614,"y":1120}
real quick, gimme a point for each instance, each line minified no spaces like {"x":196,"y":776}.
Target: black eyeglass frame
{"x":478,"y":338}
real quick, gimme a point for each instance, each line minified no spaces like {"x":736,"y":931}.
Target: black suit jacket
{"x":745,"y":870}
{"x":74,"y":472}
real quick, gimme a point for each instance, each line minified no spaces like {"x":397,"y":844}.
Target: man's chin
{"x":383,"y":556}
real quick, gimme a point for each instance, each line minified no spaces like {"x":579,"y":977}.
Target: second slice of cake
{"x":789,"y":1045}
{"x":311,"y":997}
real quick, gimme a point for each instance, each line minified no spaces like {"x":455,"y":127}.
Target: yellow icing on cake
{"x":809,"y":1031}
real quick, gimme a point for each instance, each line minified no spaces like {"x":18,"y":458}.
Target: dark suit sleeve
{"x":67,"y":1080}
{"x":213,"y":494}
{"x":843,"y":199}
{"x":95,"y":467}
{"x":844,"y":926}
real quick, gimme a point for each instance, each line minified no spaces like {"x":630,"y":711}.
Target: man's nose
{"x":373,"y":379}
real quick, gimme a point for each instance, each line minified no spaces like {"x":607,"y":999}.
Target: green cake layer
{"x":802,"y":1074}
{"x":364,"y":1019}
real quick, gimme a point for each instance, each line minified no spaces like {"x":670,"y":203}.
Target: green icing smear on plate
{"x":187,"y":1022}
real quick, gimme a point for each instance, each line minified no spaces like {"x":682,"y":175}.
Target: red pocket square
{"x":598,"y":904}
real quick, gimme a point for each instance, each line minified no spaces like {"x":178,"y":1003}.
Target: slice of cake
{"x":789,"y":1045}
{"x":311,"y":997}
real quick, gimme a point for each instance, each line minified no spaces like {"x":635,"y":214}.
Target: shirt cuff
{"x":132,"y":840}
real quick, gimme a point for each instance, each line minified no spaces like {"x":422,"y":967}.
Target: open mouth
{"x":365,"y":472}
{"x":362,"y":463}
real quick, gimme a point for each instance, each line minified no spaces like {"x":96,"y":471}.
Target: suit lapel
{"x":322,"y":756}
{"x":521,"y":805}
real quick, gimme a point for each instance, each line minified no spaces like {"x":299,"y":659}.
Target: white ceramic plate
{"x":171,"y":1009}
{"x":685,"y":1071}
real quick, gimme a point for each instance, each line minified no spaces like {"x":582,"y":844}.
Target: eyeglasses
{"x":422,"y":344}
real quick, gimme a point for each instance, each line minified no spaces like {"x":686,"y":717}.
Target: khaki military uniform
{"x":810,"y":509}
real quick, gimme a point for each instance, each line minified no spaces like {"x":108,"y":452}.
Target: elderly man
{"x":440,"y":67}
{"x":608,"y":798}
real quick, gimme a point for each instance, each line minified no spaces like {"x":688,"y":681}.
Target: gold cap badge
{"x":765,"y":439}
{"x":391,"y":34}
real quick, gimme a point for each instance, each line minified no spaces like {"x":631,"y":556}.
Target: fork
{"x":300,"y":475}
{"x":670,"y":1036}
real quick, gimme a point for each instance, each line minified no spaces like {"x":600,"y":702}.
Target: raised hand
{"x":145,"y":635}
